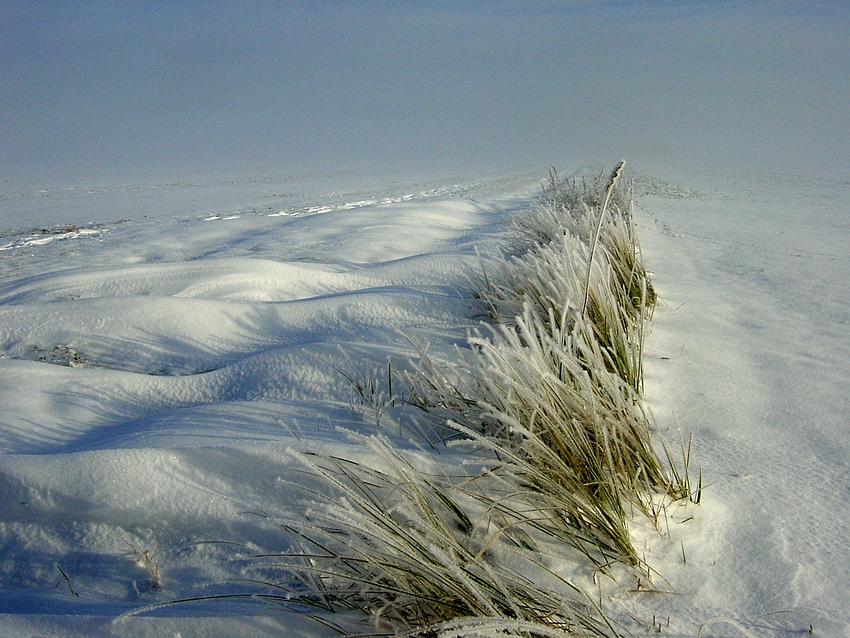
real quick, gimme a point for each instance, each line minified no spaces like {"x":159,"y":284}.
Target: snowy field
{"x":227,"y":228}
{"x":155,"y":367}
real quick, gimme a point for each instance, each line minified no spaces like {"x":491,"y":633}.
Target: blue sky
{"x":177,"y":89}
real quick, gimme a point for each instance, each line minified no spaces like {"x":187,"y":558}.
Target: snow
{"x":153,"y":378}
{"x":155,"y":372}
{"x":749,"y":351}
{"x":209,"y":218}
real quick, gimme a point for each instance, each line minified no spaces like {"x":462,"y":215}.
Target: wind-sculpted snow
{"x":154,"y":373}
{"x":152,"y":338}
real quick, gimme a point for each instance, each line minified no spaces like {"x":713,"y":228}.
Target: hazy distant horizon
{"x":131,"y":91}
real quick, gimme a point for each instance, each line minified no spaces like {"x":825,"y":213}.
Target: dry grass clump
{"x":547,"y":400}
{"x":577,"y":255}
{"x":557,"y":380}
{"x":542,"y":400}
{"x":414,"y":550}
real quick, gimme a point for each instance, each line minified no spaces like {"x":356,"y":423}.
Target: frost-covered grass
{"x":549,"y":399}
{"x":558,"y":383}
{"x":583,"y":265}
{"x":415,"y":549}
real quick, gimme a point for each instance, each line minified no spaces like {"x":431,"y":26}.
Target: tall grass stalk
{"x":594,"y":241}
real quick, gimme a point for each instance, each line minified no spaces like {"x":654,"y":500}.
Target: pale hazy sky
{"x":133,"y":89}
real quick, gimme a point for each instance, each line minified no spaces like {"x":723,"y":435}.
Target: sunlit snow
{"x":209,"y":224}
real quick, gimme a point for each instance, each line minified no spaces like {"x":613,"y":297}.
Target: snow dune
{"x":146,"y":338}
{"x":154,"y":373}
